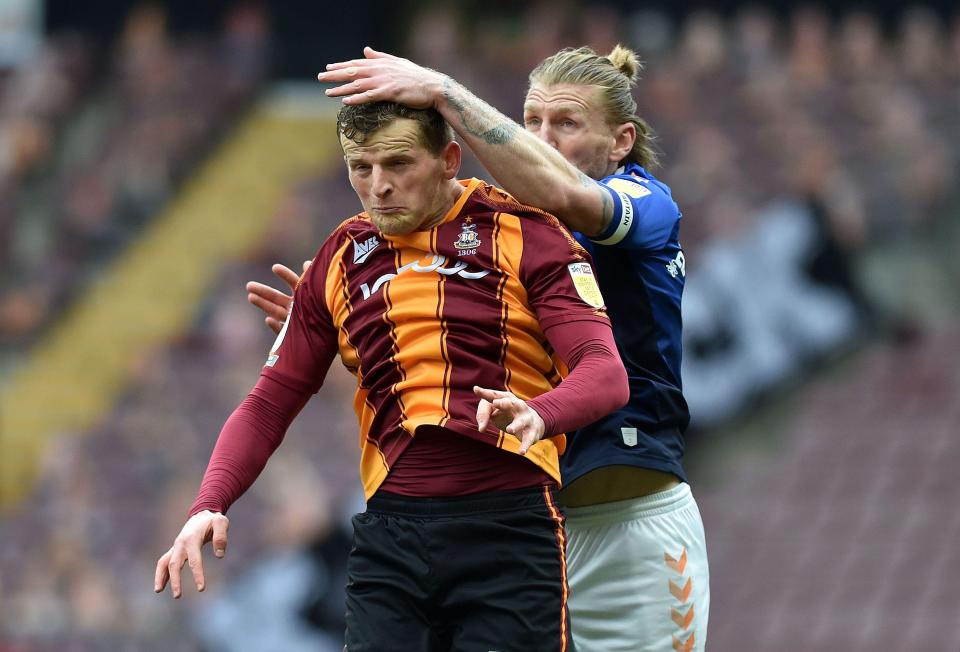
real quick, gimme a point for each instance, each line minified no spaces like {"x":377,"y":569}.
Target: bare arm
{"x":525,"y":166}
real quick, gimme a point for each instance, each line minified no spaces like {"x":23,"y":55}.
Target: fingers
{"x":529,"y":439}
{"x":177,"y":559}
{"x":287,"y":275}
{"x":489,"y":394}
{"x":352,"y":63}
{"x":306,"y":266}
{"x":484,"y":411}
{"x":220,"y":526}
{"x":162,"y":573}
{"x":510,"y":405}
{"x":346,"y":75}
{"x":275,"y":325}
{"x":363,"y":98}
{"x":195,"y":561}
{"x":370,"y":53}
{"x":268,"y":295}
{"x":278,"y":311}
{"x":355,"y":89}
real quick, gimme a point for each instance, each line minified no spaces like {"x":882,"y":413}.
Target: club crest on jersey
{"x":468,"y":240}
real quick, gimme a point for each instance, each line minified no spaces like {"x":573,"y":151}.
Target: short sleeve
{"x":644,"y":215}
{"x":307,"y":343}
{"x":558,"y":275}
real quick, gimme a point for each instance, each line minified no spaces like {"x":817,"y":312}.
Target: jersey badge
{"x":363,"y":249}
{"x":629,"y":188}
{"x":586,"y":284}
{"x":468,"y":240}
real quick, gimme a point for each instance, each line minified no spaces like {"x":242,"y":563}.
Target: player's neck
{"x":451,"y":194}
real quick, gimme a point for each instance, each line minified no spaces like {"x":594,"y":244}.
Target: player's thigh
{"x":511,"y":590}
{"x":640,"y":584}
{"x":385,"y":598}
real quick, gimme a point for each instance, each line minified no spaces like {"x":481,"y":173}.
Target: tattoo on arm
{"x":607,"y":211}
{"x":471,"y":114}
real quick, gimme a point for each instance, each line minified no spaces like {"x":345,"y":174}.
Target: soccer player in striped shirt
{"x":440,"y":293}
{"x":639,"y":576}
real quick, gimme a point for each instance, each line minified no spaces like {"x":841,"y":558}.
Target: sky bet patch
{"x":586,"y":284}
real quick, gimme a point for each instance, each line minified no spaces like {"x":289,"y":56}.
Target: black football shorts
{"x":479,"y":573}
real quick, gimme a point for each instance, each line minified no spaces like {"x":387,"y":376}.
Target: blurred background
{"x":154,"y":157}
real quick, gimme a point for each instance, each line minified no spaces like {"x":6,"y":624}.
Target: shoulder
{"x":355,"y":229}
{"x":529,"y":236}
{"x":642,"y":190}
{"x":531,"y":218}
{"x":645,"y":215}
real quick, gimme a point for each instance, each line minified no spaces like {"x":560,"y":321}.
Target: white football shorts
{"x":638,"y":574}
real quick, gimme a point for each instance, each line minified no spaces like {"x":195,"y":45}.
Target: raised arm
{"x":525,"y":166}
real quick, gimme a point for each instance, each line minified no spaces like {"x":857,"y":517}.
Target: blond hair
{"x":615,"y":74}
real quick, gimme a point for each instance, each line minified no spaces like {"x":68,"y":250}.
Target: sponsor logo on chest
{"x":438,"y":263}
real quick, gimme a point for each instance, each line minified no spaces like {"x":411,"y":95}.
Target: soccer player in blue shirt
{"x":637,"y":556}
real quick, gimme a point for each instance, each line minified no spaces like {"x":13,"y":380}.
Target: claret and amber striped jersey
{"x":420,"y":319}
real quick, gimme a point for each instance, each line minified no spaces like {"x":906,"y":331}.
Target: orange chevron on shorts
{"x":682,"y":621}
{"x":684,"y":646}
{"x":676,"y":565}
{"x":681,"y":594}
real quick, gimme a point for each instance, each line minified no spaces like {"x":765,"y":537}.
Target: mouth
{"x":388,"y":210}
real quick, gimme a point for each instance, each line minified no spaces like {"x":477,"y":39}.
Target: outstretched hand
{"x":187,"y":548}
{"x":272,"y":301}
{"x":510,"y":414}
{"x":383,"y":77}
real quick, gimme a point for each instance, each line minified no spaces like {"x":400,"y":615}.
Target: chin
{"x":393,"y":226}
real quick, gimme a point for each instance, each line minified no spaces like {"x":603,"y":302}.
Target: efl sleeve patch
{"x":629,"y":188}
{"x":586,"y":284}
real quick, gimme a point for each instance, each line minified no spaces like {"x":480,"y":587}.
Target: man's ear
{"x":451,"y":156}
{"x":624,"y":136}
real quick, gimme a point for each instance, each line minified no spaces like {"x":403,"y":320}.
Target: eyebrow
{"x":569,"y":107}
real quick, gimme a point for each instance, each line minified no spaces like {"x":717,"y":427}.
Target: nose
{"x":381,"y":184}
{"x":547,"y":134}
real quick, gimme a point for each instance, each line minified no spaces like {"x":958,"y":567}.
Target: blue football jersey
{"x":641,"y":271}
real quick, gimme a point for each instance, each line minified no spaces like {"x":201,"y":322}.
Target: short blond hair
{"x":615,"y":75}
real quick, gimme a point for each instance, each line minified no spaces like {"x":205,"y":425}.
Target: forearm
{"x":597,"y":382}
{"x":525,"y":166}
{"x":248,"y":438}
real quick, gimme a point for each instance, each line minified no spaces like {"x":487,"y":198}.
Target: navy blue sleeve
{"x":644,"y":215}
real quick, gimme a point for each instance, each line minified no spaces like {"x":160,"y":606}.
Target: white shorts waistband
{"x":631,"y":509}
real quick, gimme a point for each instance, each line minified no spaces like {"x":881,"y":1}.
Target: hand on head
{"x":382,"y":77}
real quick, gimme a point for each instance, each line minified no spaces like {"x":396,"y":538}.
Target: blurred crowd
{"x":793,"y":146}
{"x":93,"y":143}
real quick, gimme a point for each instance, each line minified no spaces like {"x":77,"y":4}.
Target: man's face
{"x":570,"y":119}
{"x":400,"y":183}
